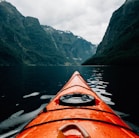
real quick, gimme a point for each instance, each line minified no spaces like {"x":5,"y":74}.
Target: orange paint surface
{"x":60,"y":121}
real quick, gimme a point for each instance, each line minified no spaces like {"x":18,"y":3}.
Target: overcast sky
{"x":86,"y":18}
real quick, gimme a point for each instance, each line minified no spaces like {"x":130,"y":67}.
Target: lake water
{"x":25,"y":90}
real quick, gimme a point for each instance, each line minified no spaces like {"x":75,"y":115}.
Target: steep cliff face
{"x":72,"y":46}
{"x":120,"y":44}
{"x":24,"y":41}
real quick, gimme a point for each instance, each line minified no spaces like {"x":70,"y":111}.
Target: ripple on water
{"x":99,"y":86}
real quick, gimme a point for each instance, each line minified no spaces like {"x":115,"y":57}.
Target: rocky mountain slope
{"x":70,"y":45}
{"x":23,"y":40}
{"x":120,"y":44}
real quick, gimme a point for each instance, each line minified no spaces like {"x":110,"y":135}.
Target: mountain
{"x":120,"y":44}
{"x":23,"y":40}
{"x":72,"y":46}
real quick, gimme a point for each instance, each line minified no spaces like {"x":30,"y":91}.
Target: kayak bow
{"x":77,"y":112}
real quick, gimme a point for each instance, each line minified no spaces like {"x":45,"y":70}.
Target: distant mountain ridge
{"x":23,"y":40}
{"x":71,"y":46}
{"x":120,"y":44}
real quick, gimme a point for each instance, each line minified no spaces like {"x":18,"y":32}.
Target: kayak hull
{"x":72,"y":120}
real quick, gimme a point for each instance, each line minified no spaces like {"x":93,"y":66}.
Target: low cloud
{"x":86,"y":18}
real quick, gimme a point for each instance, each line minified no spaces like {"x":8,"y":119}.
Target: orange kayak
{"x":77,"y":112}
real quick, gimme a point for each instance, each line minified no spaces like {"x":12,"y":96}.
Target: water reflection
{"x":22,"y":86}
{"x":16,"y":122}
{"x":97,"y":83}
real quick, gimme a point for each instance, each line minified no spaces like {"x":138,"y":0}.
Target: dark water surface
{"x":24,"y":89}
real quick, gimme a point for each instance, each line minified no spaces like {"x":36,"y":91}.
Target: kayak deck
{"x":77,"y":112}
